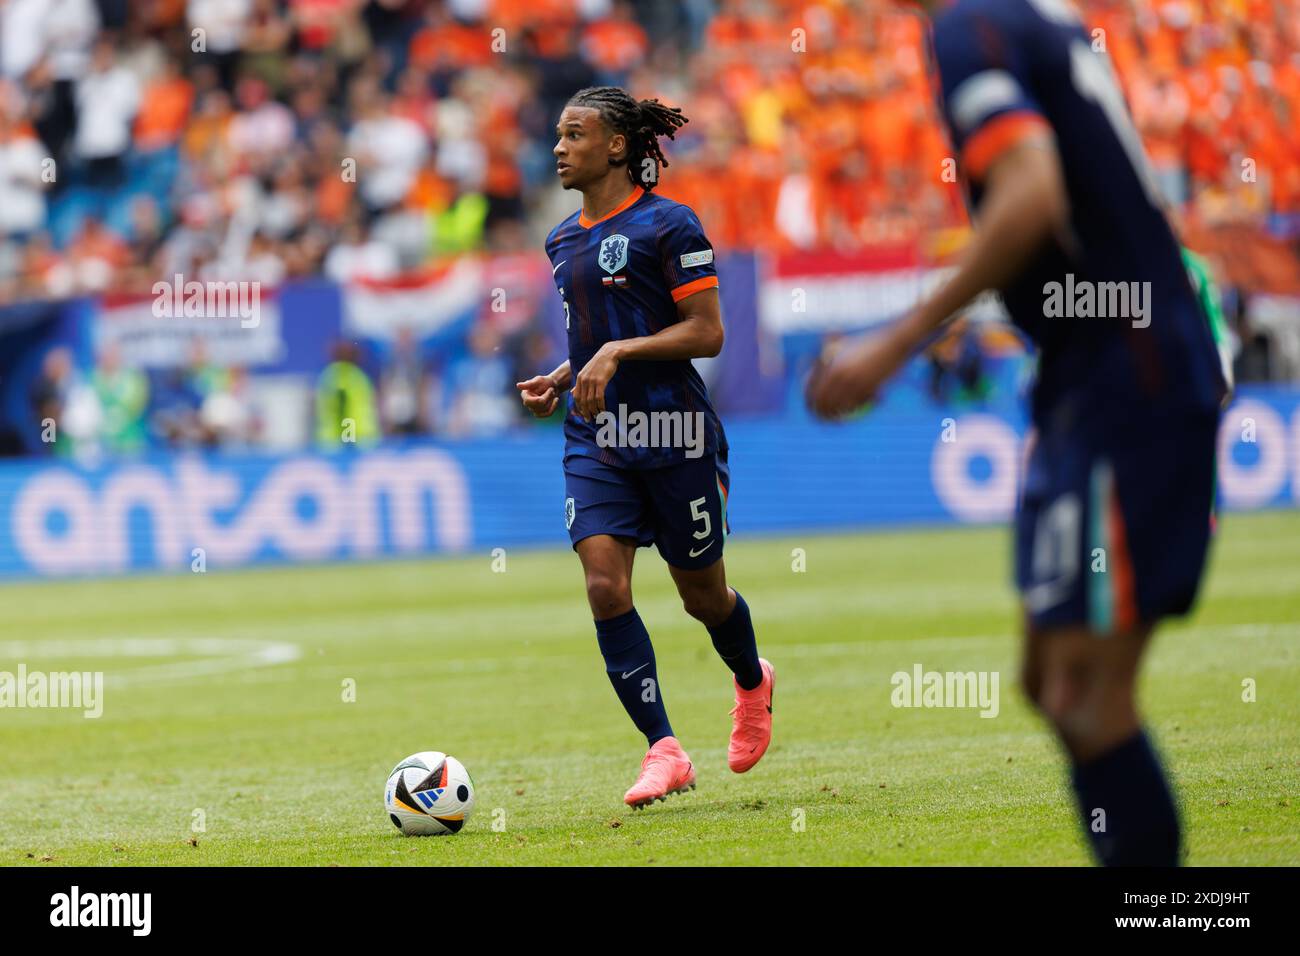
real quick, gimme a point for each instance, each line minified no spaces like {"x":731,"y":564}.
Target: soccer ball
{"x":429,"y":794}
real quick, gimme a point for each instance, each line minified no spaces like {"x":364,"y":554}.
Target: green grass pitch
{"x":226,"y":737}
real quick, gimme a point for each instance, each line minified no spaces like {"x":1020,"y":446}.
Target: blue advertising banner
{"x":891,"y":466}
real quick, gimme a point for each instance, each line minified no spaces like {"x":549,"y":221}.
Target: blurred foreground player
{"x":645,"y":457}
{"x":1114,"y":522}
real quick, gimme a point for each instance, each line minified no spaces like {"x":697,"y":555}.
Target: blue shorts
{"x":681,"y":509}
{"x":1114,"y":524}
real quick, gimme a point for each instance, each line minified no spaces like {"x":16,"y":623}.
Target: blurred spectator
{"x":178,"y":397}
{"x":615,"y":45}
{"x":345,"y":401}
{"x":228,"y":415}
{"x":1255,"y":362}
{"x":94,"y":256}
{"x":389,"y":149}
{"x":404,"y":388}
{"x":537,"y":350}
{"x":22,"y":36}
{"x":44,"y":273}
{"x":262,"y":126}
{"x":445,"y":45}
{"x":479,"y":386}
{"x":459,"y":228}
{"x":175,"y":418}
{"x":165,"y":109}
{"x":146,"y":232}
{"x":70,"y":31}
{"x":957,"y":366}
{"x":22,"y":155}
{"x":107,"y":98}
{"x":49,"y":396}
{"x":357,"y":256}
{"x":285,"y":206}
{"x":267,"y":38}
{"x":123,"y":395}
{"x":220,"y":26}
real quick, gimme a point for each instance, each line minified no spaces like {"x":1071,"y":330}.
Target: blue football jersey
{"x":1013,"y":66}
{"x":621,"y":277}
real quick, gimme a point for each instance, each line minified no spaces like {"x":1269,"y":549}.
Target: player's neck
{"x":605,"y":195}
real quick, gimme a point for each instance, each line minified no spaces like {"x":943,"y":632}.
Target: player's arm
{"x":697,"y":333}
{"x":541,"y":393}
{"x":1025,"y":202}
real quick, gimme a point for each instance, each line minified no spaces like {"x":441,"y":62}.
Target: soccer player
{"x":645,"y":457}
{"x":1113,"y":526}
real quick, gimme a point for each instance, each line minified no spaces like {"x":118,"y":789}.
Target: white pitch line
{"x":214,"y":655}
{"x":220,"y":655}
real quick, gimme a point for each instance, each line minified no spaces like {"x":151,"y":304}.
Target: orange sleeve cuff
{"x":694,"y":286}
{"x":997,"y":137}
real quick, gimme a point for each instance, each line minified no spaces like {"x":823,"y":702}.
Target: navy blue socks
{"x":630,"y":664}
{"x":733,"y":639}
{"x":1127,"y":809}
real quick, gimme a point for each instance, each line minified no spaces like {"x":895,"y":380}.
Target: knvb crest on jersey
{"x":613,"y":253}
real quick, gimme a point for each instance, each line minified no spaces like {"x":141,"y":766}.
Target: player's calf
{"x":704,"y":593}
{"x":711,"y":607}
{"x":1084,"y":685}
{"x":624,"y":641}
{"x":722,"y":610}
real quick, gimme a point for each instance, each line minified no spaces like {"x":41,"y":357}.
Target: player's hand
{"x":850,"y":374}
{"x":589,"y":386}
{"x":539,"y":395}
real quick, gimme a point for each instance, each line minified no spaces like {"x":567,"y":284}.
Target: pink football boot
{"x":666,"y":769}
{"x":751,"y":728}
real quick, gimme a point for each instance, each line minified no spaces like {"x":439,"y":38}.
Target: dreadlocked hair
{"x":641,"y":121}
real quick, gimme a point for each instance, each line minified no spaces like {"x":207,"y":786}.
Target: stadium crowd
{"x":269,"y":139}
{"x":259,"y":139}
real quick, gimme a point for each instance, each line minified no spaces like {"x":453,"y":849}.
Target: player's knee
{"x":1081,"y":709}
{"x":1061,"y":696}
{"x":608,"y":594}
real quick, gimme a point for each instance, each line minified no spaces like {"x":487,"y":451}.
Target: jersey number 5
{"x":698,"y":515}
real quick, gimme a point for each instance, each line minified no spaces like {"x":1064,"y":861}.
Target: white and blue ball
{"x":429,"y":794}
